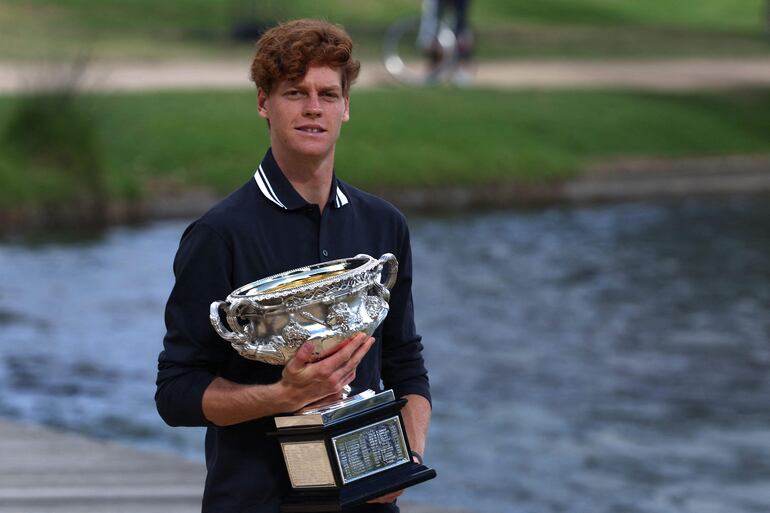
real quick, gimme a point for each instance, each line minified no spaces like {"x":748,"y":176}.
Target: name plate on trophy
{"x":370,"y":449}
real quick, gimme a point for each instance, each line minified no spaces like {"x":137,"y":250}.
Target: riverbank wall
{"x":612,"y":181}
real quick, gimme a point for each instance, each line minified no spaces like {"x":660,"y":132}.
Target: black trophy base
{"x":357,"y":492}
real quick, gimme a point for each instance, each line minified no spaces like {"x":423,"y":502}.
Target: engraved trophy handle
{"x":216,"y":322}
{"x":236,"y":308}
{"x":390,"y":260}
{"x":241,"y":336}
{"x":383,"y":288}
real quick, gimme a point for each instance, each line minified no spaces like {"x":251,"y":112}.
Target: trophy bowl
{"x":269,"y":319}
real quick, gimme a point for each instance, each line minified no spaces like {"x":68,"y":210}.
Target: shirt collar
{"x":277,"y":189}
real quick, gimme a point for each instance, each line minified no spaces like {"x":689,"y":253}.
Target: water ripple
{"x":587,"y":360}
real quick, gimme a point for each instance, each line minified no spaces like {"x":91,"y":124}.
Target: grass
{"x":151,"y":16}
{"x":148,"y":28}
{"x":406,"y":137}
{"x":695,"y":14}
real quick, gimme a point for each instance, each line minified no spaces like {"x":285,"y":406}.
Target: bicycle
{"x":422,"y":50}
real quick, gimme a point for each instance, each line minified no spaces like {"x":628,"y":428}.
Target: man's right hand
{"x":303,"y":382}
{"x":306,"y":382}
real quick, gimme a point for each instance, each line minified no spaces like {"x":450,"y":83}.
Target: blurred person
{"x":294,"y":212}
{"x":433,"y":11}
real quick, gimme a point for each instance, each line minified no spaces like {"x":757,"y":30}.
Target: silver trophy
{"x":352,"y":450}
{"x":324,"y":303}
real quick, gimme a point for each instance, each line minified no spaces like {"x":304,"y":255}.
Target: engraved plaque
{"x":308,"y":464}
{"x":370,"y":449}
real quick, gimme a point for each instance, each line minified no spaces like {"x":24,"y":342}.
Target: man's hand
{"x":416,"y":415}
{"x":305,"y":382}
{"x":387,"y":499}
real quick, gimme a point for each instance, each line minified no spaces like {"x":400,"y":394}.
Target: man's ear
{"x":262,"y":104}
{"x":346,"y":114}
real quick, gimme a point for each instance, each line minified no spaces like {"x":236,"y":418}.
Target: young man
{"x":293,"y":212}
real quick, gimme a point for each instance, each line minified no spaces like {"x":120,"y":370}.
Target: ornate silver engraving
{"x":294,"y":335}
{"x":342,"y":318}
{"x":374,"y":305}
{"x":270,"y":319}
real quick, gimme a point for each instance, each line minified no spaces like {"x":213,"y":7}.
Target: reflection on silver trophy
{"x":324,"y":303}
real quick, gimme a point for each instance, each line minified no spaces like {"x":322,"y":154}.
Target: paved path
{"x":45,"y":471}
{"x":663,"y":75}
{"x":42,"y":470}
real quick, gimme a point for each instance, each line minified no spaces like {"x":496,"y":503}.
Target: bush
{"x":52,"y":156}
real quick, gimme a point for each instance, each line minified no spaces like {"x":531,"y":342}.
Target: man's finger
{"x":329,"y":399}
{"x":342,"y":356}
{"x":351,"y":364}
{"x":348,"y":379}
{"x":343,"y":376}
{"x":338,"y":347}
{"x":386,"y":499}
{"x":302,"y":357}
{"x":359,"y":353}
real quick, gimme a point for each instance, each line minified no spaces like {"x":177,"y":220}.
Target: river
{"x":599,"y":359}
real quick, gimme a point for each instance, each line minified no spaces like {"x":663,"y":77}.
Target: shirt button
{"x":325,"y":253}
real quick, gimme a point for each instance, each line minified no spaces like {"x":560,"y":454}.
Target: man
{"x":294,"y":212}
{"x":433,"y":12}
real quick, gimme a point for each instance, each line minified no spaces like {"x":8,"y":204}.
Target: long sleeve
{"x":403,"y":368}
{"x":192,"y":350}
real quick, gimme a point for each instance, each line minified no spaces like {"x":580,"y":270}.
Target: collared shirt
{"x":263,"y":228}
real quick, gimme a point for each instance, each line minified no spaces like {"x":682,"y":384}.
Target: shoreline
{"x":612,"y":181}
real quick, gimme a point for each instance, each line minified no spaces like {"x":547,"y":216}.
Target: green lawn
{"x":714,"y":14}
{"x":404,"y":137}
{"x":151,"y":16}
{"x":150,"y":28}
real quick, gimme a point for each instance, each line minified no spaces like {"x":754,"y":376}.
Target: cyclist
{"x":432,"y":12}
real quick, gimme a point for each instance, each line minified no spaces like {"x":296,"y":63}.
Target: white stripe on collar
{"x":264,"y":186}
{"x":341,"y":198}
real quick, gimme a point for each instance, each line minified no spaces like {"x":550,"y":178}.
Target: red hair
{"x":286,"y":51}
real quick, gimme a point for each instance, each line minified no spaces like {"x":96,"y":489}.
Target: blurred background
{"x":587,"y":190}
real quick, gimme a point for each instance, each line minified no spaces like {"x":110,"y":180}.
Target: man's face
{"x":306,"y":116}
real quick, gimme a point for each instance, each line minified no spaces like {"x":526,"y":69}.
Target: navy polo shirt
{"x":263,"y":228}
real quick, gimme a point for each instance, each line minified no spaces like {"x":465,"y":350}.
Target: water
{"x":590,"y":360}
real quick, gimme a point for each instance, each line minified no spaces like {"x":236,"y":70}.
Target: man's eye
{"x":293,"y":93}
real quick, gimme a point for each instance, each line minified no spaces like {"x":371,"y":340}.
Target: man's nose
{"x":313,"y":105}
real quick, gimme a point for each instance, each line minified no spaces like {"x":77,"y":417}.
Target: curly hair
{"x":286,"y":51}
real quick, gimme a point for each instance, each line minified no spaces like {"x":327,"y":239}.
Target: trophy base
{"x":355,"y":452}
{"x":352,"y":494}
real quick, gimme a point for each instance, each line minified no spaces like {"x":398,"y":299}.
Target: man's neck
{"x":310,"y":177}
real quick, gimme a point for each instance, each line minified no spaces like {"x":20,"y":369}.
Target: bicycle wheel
{"x":405,"y":58}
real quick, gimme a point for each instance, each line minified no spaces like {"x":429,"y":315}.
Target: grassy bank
{"x":152,"y":17}
{"x":148,"y":28}
{"x":400,"y":137}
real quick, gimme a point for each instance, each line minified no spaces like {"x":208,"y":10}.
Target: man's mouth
{"x":311,"y":129}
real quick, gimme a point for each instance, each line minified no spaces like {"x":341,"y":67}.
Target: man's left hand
{"x":387,"y":499}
